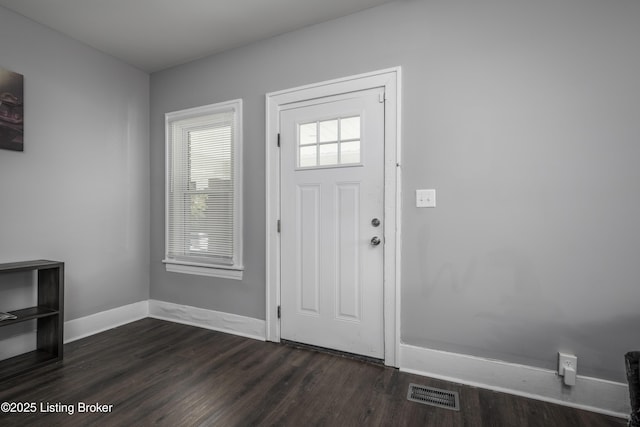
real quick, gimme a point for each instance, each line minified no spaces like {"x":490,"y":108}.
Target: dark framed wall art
{"x":11,"y":110}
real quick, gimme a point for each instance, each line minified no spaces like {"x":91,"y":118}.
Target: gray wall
{"x":525,"y":116}
{"x":79,"y":192}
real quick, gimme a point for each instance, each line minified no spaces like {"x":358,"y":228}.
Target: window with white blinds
{"x":203,"y":194}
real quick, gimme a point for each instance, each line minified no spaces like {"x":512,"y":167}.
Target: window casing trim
{"x":227,"y":270}
{"x":203,"y":269}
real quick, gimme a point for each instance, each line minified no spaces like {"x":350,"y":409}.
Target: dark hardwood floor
{"x":161,"y":373}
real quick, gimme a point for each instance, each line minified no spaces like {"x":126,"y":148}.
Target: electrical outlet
{"x":567,"y":361}
{"x":568,"y":368}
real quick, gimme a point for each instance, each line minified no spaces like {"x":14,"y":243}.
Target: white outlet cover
{"x":565,"y":360}
{"x":426,"y":198}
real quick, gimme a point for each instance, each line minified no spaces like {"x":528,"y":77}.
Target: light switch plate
{"x":426,"y":198}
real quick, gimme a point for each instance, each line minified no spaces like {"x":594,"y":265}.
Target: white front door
{"x":332,"y":208}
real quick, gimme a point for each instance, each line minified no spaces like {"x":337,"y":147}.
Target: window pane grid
{"x":329,"y":142}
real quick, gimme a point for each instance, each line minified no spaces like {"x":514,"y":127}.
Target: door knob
{"x":375,"y":222}
{"x":375,"y":240}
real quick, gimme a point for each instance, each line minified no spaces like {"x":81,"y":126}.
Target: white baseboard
{"x":592,"y":394}
{"x":209,"y":319}
{"x":194,"y":316}
{"x":105,"y":320}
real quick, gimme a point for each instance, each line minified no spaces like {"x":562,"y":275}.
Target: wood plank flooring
{"x":161,"y":373}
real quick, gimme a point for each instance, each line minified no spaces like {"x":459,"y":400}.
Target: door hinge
{"x":278,"y":140}
{"x":279,"y":312}
{"x":381,"y":97}
{"x":278,"y":226}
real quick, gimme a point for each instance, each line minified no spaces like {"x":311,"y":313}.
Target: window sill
{"x":234,"y":273}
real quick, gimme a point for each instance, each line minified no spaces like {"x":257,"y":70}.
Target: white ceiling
{"x":156,"y":34}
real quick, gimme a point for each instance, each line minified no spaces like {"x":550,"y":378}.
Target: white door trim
{"x":390,"y":79}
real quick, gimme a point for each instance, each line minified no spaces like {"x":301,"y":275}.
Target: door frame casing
{"x":390,"y":79}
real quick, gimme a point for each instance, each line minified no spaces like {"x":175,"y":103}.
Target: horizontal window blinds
{"x":201,"y":211}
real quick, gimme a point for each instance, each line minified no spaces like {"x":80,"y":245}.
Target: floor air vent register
{"x":434,"y":397}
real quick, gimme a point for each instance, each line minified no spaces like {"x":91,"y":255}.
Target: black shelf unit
{"x":48,"y":314}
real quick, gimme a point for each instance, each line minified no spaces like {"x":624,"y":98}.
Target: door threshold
{"x":358,"y":357}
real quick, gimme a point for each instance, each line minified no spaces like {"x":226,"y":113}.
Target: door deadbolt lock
{"x":375,"y":222}
{"x":375,"y":241}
